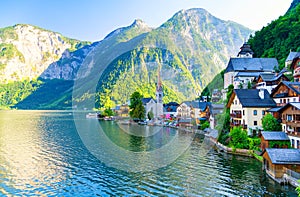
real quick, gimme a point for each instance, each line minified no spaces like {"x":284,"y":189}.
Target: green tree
{"x":229,"y":92}
{"x":239,"y":138}
{"x":150,"y":115}
{"x":206,"y":92}
{"x":249,"y":85}
{"x":137,"y":110}
{"x":298,"y":189}
{"x":204,"y":125}
{"x":108,"y":112}
{"x":270,"y":123}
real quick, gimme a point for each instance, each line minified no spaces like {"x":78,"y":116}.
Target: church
{"x":155,"y":105}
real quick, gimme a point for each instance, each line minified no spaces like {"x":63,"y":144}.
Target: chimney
{"x":261,"y":93}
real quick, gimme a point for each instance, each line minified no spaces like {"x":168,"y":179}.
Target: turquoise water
{"x":41,"y":154}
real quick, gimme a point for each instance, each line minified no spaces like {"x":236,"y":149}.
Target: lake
{"x":43,"y":153}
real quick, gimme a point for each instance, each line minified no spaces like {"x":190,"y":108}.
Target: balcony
{"x":236,"y":115}
{"x":244,"y":126}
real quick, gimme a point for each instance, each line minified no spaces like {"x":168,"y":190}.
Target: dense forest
{"x":14,"y":92}
{"x":278,"y":38}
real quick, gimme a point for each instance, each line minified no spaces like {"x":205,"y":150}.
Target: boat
{"x":92,"y":115}
{"x":109,"y":118}
{"x":142,"y":123}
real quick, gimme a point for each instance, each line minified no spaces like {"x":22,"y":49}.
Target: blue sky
{"x":93,"y":19}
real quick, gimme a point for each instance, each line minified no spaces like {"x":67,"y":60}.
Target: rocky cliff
{"x":27,"y":51}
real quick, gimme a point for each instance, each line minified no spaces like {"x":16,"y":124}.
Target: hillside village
{"x":254,"y":88}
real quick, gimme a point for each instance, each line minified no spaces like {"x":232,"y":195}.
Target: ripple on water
{"x":41,"y":155}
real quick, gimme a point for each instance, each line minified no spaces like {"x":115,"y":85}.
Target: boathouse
{"x":279,"y":162}
{"x":274,"y":139}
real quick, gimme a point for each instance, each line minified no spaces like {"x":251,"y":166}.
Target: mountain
{"x":189,"y":50}
{"x":26,"y":51}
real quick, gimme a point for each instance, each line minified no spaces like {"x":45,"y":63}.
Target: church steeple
{"x":159,"y":89}
{"x":245,"y":51}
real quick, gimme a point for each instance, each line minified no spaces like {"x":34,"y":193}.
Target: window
{"x":255,"y":123}
{"x":235,"y":102}
{"x":255,"y":112}
{"x":263,"y":112}
{"x":280,"y":100}
{"x":243,"y":112}
{"x":289,"y":117}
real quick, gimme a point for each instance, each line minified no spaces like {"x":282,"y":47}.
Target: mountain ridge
{"x":192,"y":47}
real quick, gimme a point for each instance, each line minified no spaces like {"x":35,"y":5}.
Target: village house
{"x":215,"y":109}
{"x":279,"y":162}
{"x":216,"y":96}
{"x":295,"y":66}
{"x":274,"y":139}
{"x":269,"y":81}
{"x":170,"y":109}
{"x":286,"y":92}
{"x":122,"y":110}
{"x":247,"y":108}
{"x":199,"y":111}
{"x":242,"y":69}
{"x":290,"y":58}
{"x":188,"y":110}
{"x":290,"y":114}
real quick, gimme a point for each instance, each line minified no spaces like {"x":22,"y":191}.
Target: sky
{"x":92,"y":20}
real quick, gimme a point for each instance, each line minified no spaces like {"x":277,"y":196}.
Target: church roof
{"x":251,"y":65}
{"x":245,"y":49}
{"x":147,"y":100}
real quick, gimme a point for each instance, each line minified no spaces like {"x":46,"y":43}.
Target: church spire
{"x":159,"y":90}
{"x":245,"y":51}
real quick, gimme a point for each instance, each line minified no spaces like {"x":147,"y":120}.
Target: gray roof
{"x":250,"y":98}
{"x":146,"y":100}
{"x":172,"y":106}
{"x":275,"y":135}
{"x":284,"y":155}
{"x":291,"y":56}
{"x":247,"y":74}
{"x":295,"y":86}
{"x":270,"y":76}
{"x":274,"y":109}
{"x":251,"y":64}
{"x":197,"y":104}
{"x":295,"y":104}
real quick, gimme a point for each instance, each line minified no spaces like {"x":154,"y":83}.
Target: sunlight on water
{"x":42,"y":154}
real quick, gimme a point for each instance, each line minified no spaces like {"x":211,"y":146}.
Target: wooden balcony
{"x":237,"y":125}
{"x":292,"y":123}
{"x":234,"y":115}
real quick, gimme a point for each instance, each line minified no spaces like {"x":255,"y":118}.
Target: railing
{"x":236,"y":115}
{"x":291,"y":173}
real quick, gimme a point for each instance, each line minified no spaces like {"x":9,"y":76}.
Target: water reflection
{"x":42,"y":154}
{"x":24,"y":154}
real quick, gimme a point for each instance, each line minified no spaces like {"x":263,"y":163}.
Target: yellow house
{"x":247,"y":108}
